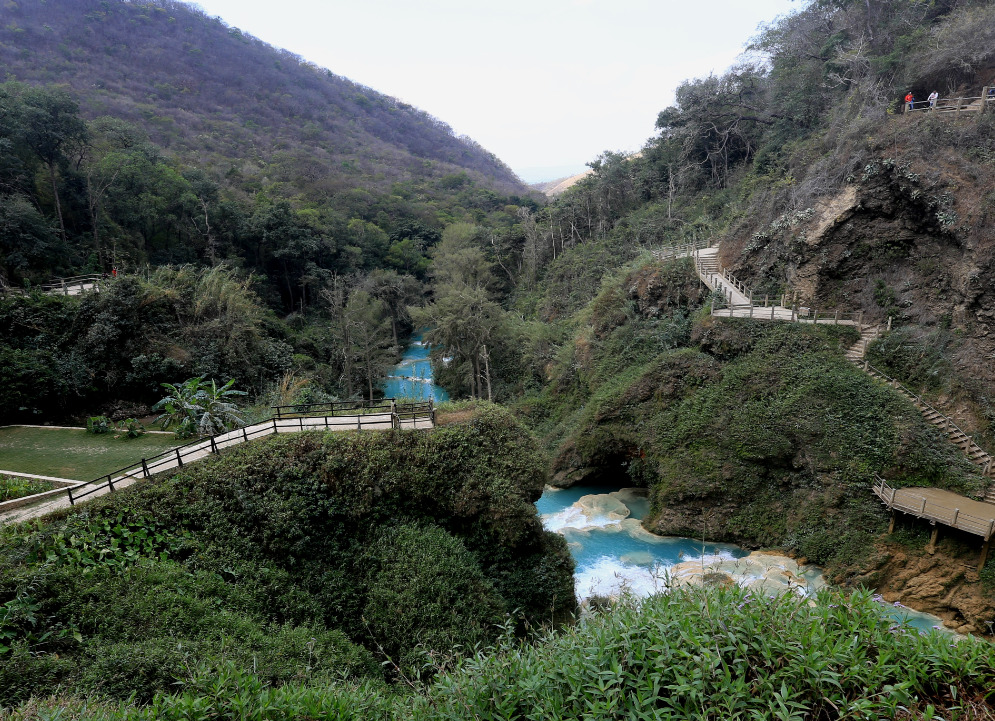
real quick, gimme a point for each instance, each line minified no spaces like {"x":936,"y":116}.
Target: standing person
{"x":114,"y":272}
{"x":933,"y":97}
{"x":909,"y":100}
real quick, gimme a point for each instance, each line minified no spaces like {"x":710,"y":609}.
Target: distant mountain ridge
{"x":552,"y":188}
{"x":211,"y":93}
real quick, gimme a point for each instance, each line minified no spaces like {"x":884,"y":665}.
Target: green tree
{"x":54,"y":131}
{"x":366,"y":327}
{"x":199,"y":407}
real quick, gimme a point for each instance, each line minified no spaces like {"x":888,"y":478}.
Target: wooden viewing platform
{"x":976,"y":104}
{"x":939,"y":506}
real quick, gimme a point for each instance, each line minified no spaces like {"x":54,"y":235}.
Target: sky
{"x":546,"y":85}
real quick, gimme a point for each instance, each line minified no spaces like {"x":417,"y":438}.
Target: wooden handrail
{"x":270,"y":426}
{"x":916,"y":397}
{"x":939,"y":512}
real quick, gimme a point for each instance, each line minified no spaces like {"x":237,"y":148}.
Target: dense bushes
{"x":313,"y":552}
{"x":689,"y":654}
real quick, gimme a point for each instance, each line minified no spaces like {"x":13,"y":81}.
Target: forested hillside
{"x":799,"y":163}
{"x":223,"y":99}
{"x":291,"y":203}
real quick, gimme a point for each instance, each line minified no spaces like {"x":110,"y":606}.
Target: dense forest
{"x":271,"y":226}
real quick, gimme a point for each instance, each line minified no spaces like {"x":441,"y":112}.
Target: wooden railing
{"x":974,"y":104}
{"x":334,"y":408}
{"x":683,"y":250}
{"x":948,"y":424}
{"x":60,"y":286}
{"x":908,"y":501}
{"x":402,"y":414}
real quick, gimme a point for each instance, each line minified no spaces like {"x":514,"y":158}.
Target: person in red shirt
{"x":910,"y":100}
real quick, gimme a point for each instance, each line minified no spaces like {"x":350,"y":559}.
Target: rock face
{"x":907,"y":241}
{"x":944,"y":584}
{"x":764,"y":573}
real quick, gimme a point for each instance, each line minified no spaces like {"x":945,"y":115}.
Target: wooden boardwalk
{"x":76,"y":285}
{"x":944,"y":106}
{"x":393,"y":416}
{"x":939,"y":506}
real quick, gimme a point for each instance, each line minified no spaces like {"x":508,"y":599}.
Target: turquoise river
{"x":613,"y":552}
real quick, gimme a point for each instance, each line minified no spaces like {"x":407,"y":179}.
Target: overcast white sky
{"x":546,"y":85}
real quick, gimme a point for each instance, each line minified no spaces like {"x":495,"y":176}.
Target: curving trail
{"x":193,"y":452}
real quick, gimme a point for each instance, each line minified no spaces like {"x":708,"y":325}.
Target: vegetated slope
{"x":752,"y":432}
{"x":803,"y":165}
{"x":689,"y":654}
{"x":220,"y":98}
{"x":314,"y":556}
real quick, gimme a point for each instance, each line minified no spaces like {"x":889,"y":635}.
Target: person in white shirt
{"x":933,"y":97}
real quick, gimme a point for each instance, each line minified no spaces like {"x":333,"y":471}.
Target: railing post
{"x":836,"y":318}
{"x":922,"y":509}
{"x":214,"y":446}
{"x":765,"y":300}
{"x":145,"y":468}
{"x":179,"y":458}
{"x":893,"y":492}
{"x":751,"y":309}
{"x":359,"y":421}
{"x":956,"y":513}
{"x":245,"y":434}
{"x":275,"y":431}
{"x":860,"y":319}
{"x":69,"y":492}
{"x":772,"y":312}
{"x":301,"y":418}
{"x":110,"y":482}
{"x":889,"y":323}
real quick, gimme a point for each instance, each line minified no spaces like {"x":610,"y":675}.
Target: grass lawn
{"x":76,"y":454}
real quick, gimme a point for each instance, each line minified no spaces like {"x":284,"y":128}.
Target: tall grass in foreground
{"x":691,"y":654}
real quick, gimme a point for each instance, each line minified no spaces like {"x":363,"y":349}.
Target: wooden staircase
{"x":975,"y":453}
{"x":868,"y":334}
{"x":711,"y":273}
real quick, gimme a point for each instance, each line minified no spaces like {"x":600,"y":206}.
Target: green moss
{"x":761,"y":432}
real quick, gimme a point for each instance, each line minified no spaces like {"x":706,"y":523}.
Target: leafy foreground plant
{"x":199,"y":407}
{"x":691,"y":654}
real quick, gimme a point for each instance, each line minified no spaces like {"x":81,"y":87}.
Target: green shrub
{"x":716,"y":653}
{"x":12,"y":487}
{"x":131,"y":428}
{"x":427,"y":590}
{"x":98,"y":424}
